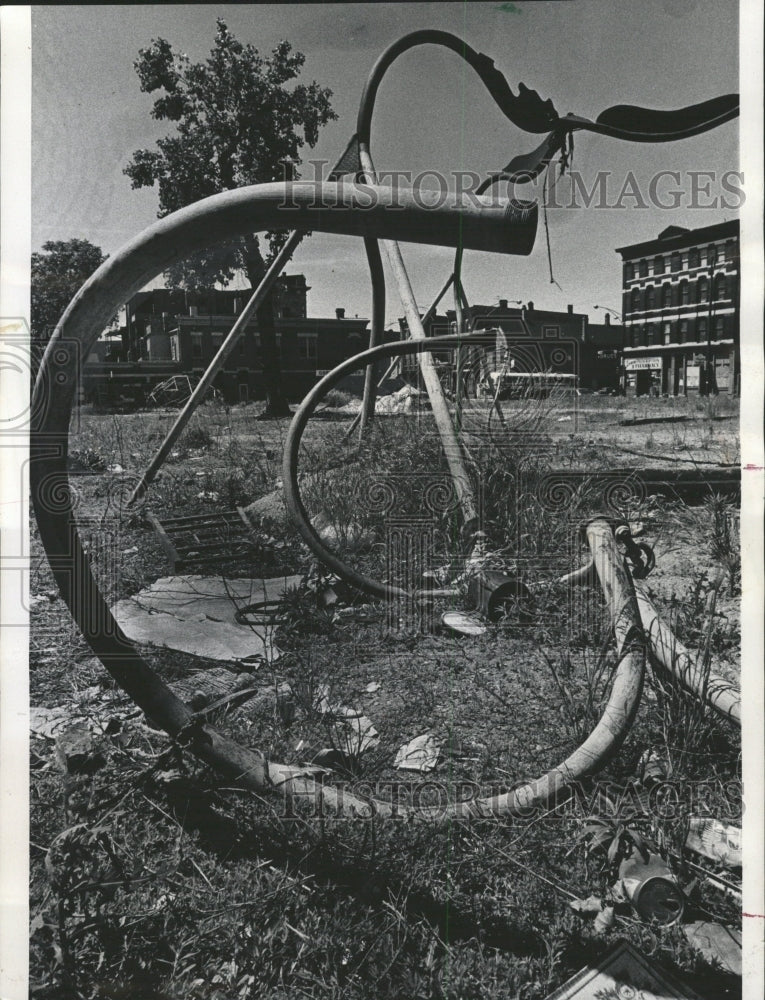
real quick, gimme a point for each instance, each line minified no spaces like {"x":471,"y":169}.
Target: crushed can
{"x":652,"y":889}
{"x":494,"y":594}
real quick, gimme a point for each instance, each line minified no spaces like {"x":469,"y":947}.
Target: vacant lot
{"x":150,"y":879}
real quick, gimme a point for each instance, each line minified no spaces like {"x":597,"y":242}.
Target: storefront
{"x":642,"y":376}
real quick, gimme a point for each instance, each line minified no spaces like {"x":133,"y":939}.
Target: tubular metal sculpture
{"x":368,"y":211}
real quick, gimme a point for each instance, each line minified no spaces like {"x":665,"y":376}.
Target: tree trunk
{"x":276,"y":400}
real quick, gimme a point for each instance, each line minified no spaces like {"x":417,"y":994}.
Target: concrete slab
{"x":196,"y":614}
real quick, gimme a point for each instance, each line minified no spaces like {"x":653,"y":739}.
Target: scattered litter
{"x":355,"y":731}
{"x":651,"y":768}
{"x":717,"y":841}
{"x":463,"y":623}
{"x":622,"y":972}
{"x":586,"y":907}
{"x":197,"y":615}
{"x":116,"y":468}
{"x":130,"y":552}
{"x":350,"y":535}
{"x":372,"y":687}
{"x":76,"y":751}
{"x":565,"y":420}
{"x":50,"y":722}
{"x":420,"y":754}
{"x":716,"y":943}
{"x":652,"y":889}
{"x":299,"y":746}
{"x":605,"y":920}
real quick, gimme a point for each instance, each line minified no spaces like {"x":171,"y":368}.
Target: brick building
{"x":592,"y":351}
{"x":170,"y":332}
{"x":681,"y":311}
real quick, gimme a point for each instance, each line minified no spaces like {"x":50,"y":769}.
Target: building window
{"x":676,"y":263}
{"x":702,"y":290}
{"x":685,"y":293}
{"x":643,"y":268}
{"x":719,"y":328}
{"x":666,"y":296}
{"x":173,"y":348}
{"x":217,"y":341}
{"x":636,"y":336}
{"x":658,"y":265}
{"x":635,"y":300}
{"x":711,"y":256}
{"x":196,"y":347}
{"x":629,"y":271}
{"x":730,"y":250}
{"x":650,"y":334}
{"x":307,"y":348}
{"x":667,"y":333}
{"x":701,"y":330}
{"x":693,"y":258}
{"x":683,"y":334}
{"x":721,"y":287}
{"x":651,"y":297}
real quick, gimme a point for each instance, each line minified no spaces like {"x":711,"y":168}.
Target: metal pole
{"x":392,"y":366}
{"x":441,"y":416}
{"x":217,"y":363}
{"x":376,"y":330}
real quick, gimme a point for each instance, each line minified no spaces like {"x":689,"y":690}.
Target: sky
{"x":432,"y":113}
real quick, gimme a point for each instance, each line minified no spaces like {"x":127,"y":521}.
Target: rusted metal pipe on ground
{"x":694,"y":676}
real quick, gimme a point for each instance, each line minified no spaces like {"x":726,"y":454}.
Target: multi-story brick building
{"x":170,"y":332}
{"x":681,"y":311}
{"x":592,"y":351}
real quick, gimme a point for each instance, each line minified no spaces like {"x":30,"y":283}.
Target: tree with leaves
{"x":58,"y":271}
{"x":237,"y":123}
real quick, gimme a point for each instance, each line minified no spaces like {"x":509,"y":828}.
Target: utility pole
{"x":710,"y":382}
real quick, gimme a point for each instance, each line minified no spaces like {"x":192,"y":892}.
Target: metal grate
{"x":199,"y":540}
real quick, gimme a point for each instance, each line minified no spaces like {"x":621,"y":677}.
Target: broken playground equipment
{"x":458,"y":222}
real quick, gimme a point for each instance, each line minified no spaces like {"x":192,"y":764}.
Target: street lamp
{"x":610,"y":310}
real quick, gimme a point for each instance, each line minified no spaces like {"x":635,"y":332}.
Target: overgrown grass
{"x":151,"y":878}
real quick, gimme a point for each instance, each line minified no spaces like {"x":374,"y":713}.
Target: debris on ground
{"x":403,"y":400}
{"x":77,"y":752}
{"x":463,"y":623}
{"x":715,"y":840}
{"x":622,"y":972}
{"x":354,"y":731}
{"x":420,"y":754}
{"x":652,"y":889}
{"x":716,"y":943}
{"x":204,"y":687}
{"x":197,"y":615}
{"x":587,"y":907}
{"x":350,"y":536}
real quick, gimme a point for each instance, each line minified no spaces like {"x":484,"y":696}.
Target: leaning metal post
{"x":454,"y":457}
{"x":216,"y":364}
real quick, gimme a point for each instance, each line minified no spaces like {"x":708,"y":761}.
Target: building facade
{"x":169,"y":332}
{"x":680,"y":304}
{"x":592,"y":351}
